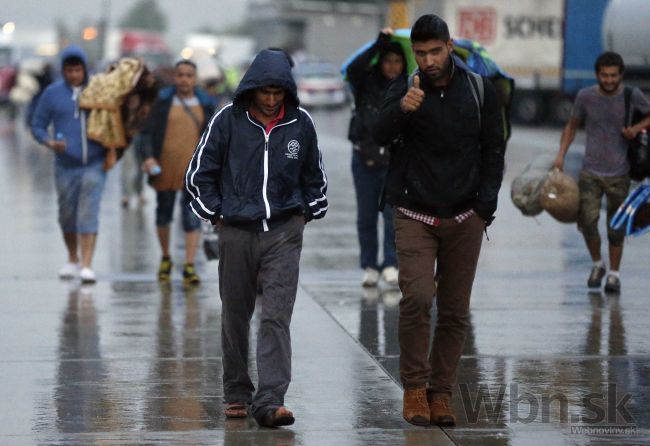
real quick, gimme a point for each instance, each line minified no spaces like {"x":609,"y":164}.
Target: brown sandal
{"x":235,"y":410}
{"x":277,"y":417}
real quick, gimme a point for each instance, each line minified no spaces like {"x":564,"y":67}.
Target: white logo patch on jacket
{"x":292,"y":149}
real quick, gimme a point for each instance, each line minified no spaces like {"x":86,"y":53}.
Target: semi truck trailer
{"x":550,"y":46}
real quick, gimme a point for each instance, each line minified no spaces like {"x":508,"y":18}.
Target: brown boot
{"x":441,"y":413}
{"x":416,"y":409}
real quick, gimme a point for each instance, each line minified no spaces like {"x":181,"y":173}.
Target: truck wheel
{"x":527,"y":108}
{"x":560,"y":110}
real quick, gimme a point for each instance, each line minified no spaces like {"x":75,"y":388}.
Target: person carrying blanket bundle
{"x":119,"y":101}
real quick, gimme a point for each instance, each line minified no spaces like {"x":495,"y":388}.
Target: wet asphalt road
{"x":129,"y":362}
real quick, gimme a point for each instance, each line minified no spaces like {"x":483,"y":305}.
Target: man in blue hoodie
{"x":258,"y":175}
{"x":78,"y":163}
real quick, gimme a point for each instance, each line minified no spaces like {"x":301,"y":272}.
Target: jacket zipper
{"x":84,"y":140}
{"x":79,"y":114}
{"x":267,"y":205}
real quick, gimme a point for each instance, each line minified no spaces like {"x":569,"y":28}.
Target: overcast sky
{"x":183,"y":16}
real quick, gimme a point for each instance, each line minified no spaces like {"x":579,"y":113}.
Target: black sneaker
{"x":165,"y":269}
{"x":612,"y":284}
{"x":189,"y":275}
{"x":596,"y":276}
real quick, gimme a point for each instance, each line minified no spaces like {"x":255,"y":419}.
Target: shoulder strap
{"x":627,"y":96}
{"x":478,"y":91}
{"x":191,"y":114}
{"x":480,"y":86}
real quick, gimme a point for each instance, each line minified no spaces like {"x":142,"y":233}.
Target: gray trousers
{"x":272,"y":258}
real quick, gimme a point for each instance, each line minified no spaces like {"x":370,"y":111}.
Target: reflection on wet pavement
{"x":544,"y":357}
{"x":130,"y":362}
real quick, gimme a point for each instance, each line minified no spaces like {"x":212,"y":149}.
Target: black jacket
{"x":254,"y":180}
{"x":368,"y":85}
{"x":152,"y":135}
{"x":448,"y":162}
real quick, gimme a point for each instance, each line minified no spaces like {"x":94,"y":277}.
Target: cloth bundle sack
{"x":525,"y":190}
{"x":560,"y":197}
{"x":104,"y":96}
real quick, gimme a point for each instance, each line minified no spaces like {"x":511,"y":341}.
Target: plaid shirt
{"x":434,"y":221}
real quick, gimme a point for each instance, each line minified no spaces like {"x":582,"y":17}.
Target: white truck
{"x":525,"y":38}
{"x":550,"y":46}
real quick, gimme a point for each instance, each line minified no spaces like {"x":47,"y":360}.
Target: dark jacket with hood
{"x":58,"y":105}
{"x":369,"y":85}
{"x":451,"y":159}
{"x":152,"y":135}
{"x":252,"y":179}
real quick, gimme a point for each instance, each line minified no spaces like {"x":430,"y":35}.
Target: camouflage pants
{"x":592,"y":189}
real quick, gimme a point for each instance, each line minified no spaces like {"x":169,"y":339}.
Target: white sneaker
{"x":370,"y":277}
{"x":370,"y":295}
{"x":390,"y":276}
{"x":87,"y":275}
{"x":69,"y":271}
{"x":391,"y":297}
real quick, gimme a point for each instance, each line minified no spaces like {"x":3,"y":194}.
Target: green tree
{"x":145,"y":14}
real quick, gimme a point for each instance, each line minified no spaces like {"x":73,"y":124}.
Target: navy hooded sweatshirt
{"x":252,"y":179}
{"x":59,"y":106}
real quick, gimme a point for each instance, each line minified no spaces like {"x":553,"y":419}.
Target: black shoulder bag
{"x":638,"y":151}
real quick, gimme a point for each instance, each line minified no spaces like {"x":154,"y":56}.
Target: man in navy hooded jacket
{"x":258,"y":175}
{"x":78,"y":166}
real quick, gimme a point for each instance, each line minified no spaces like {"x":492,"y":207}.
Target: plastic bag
{"x":560,"y":197}
{"x":525,"y":190}
{"x":634,"y":213}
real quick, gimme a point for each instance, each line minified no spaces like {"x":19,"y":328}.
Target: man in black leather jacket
{"x":443,"y":182}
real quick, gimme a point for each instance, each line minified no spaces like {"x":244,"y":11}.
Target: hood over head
{"x":270,"y":68}
{"x":75,"y":51}
{"x":392,"y":47}
{"x":395,"y":48}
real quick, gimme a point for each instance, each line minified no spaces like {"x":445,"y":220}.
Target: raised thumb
{"x":416,"y":81}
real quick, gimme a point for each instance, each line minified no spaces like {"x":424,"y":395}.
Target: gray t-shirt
{"x":603,"y":117}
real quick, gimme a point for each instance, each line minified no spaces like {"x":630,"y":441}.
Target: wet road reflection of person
{"x":242,"y":432}
{"x":82,"y":404}
{"x":178,"y":399}
{"x":615,"y":376}
{"x":378,"y":322}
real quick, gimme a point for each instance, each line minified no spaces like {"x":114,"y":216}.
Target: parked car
{"x":320,"y":85}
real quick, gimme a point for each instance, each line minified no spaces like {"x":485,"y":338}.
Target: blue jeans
{"x":79,"y":191}
{"x":165,"y":210}
{"x":369,"y":186}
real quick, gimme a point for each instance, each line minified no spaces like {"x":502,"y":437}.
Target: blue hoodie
{"x":57,"y":106}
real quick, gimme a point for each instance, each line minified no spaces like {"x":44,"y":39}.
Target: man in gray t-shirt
{"x":605,"y":170}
